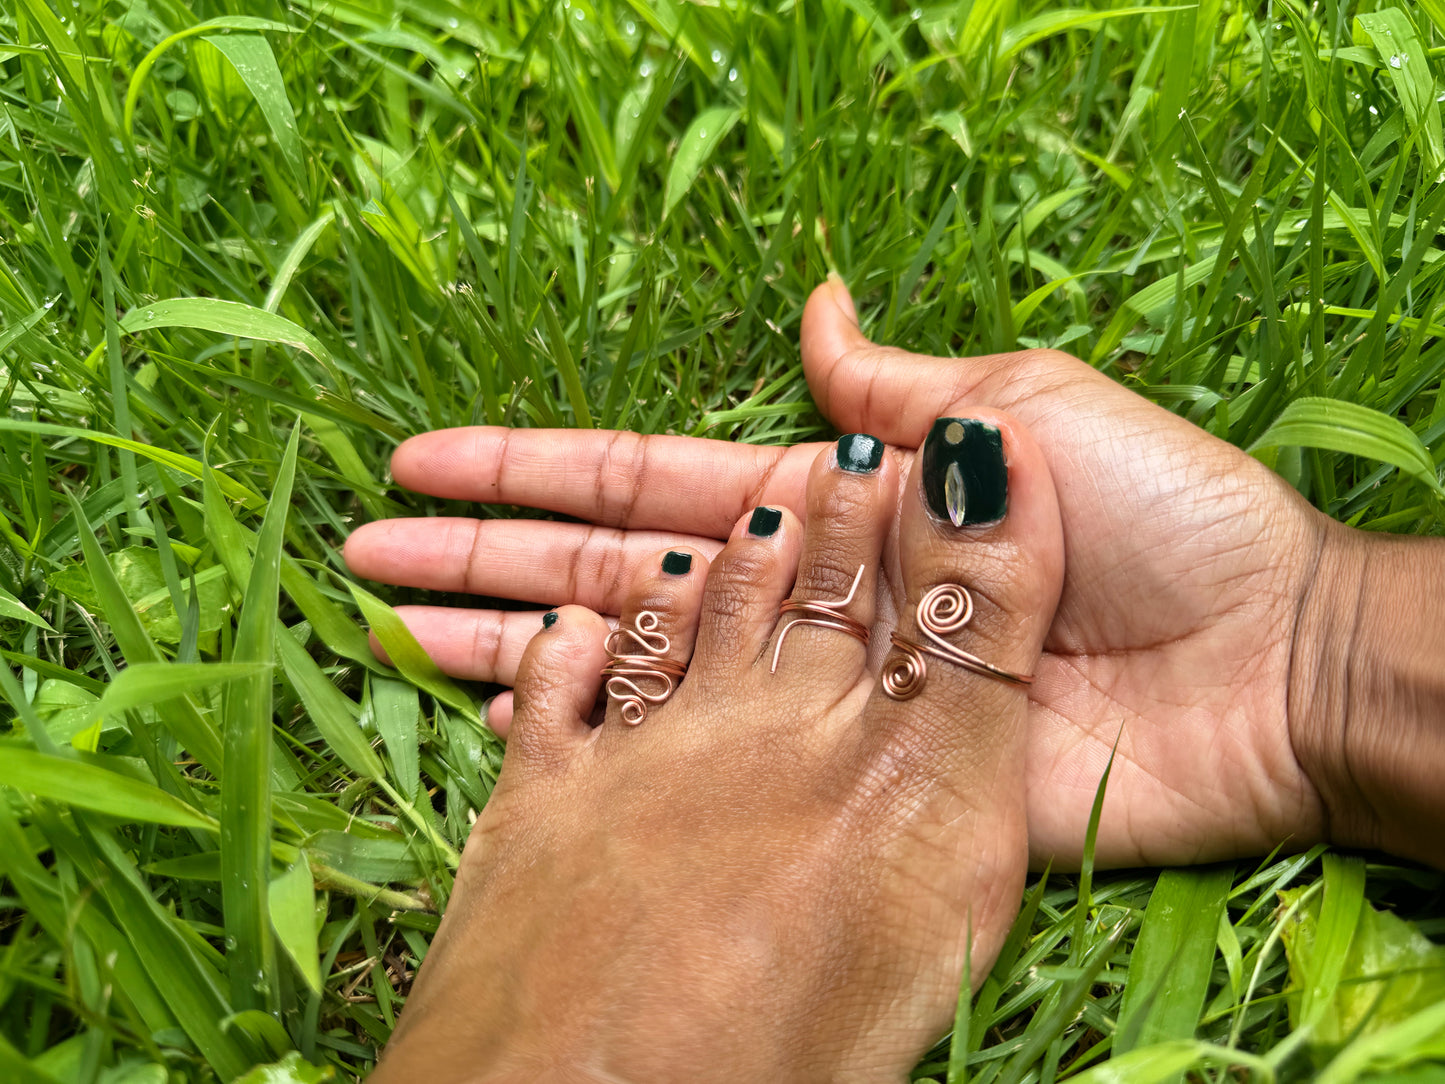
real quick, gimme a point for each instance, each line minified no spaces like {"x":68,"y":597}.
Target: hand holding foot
{"x":772,"y":875}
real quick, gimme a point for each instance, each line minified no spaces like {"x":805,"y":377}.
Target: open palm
{"x":1186,"y":565}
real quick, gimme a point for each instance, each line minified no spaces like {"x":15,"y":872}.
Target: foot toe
{"x":558,"y":680}
{"x":852,"y":492}
{"x":652,"y":644}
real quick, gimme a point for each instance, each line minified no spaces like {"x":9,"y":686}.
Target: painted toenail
{"x":965,"y":479}
{"x":549,"y":619}
{"x":859,"y":453}
{"x":765,"y":522}
{"x":676,"y":563}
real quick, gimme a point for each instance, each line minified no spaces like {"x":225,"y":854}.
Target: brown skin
{"x":775,"y":876}
{"x":1202,"y":621}
{"x":1367,"y":695}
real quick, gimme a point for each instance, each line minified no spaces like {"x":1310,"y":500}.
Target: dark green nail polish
{"x":675,"y":563}
{"x":965,"y":480}
{"x":859,"y":453}
{"x":765,"y":522}
{"x":549,"y":619}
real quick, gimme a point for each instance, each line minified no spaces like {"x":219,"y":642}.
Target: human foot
{"x":774,"y":876}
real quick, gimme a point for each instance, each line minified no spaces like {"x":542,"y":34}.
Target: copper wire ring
{"x":643,"y":676}
{"x":943,"y":610}
{"x":821,"y":615}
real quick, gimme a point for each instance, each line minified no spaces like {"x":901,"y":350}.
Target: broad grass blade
{"x":87,"y":785}
{"x":1171,"y":964}
{"x":225,"y":318}
{"x":414,"y":663}
{"x":255,"y":63}
{"x":1338,"y":426}
{"x":395,"y":710}
{"x":333,"y":712}
{"x":698,"y":143}
{"x":293,"y":917}
{"x":246,"y":784}
{"x":154,"y":682}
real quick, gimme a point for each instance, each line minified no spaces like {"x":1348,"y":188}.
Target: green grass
{"x":578,"y":214}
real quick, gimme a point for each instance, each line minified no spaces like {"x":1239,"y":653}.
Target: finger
{"x":896,"y":395}
{"x":611,"y":478}
{"x":527,"y":560}
{"x":470,"y":645}
{"x":499,"y":713}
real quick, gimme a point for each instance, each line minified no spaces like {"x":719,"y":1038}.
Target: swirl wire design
{"x":641,"y":676}
{"x":822,"y":615}
{"x":943,"y":610}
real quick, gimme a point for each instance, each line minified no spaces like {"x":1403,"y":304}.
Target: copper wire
{"x":821,"y":615}
{"x":943,"y":610}
{"x":644,"y":675}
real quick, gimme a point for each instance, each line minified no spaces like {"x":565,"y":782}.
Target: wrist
{"x":1367,"y":691}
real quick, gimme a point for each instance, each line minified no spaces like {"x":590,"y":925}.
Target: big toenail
{"x":765,"y":522}
{"x":965,"y":479}
{"x":859,"y":453}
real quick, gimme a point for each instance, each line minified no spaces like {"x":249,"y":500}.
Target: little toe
{"x":558,"y":680}
{"x":746,"y":584}
{"x":824,"y":627}
{"x":652,"y":644}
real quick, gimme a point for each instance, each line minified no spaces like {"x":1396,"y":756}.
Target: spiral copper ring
{"x":943,"y":610}
{"x":821,"y":615}
{"x":644,"y":675}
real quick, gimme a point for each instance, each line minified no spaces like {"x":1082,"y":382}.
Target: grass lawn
{"x":242,"y":255}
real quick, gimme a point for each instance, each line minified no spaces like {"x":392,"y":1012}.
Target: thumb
{"x":895,"y":395}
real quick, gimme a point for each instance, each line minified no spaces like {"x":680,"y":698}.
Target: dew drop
{"x":916,"y":14}
{"x":732,"y":75}
{"x":717,"y":56}
{"x":150,"y":314}
{"x":646,"y":70}
{"x":452,"y":24}
{"x":1396,"y":61}
{"x":629,"y":28}
{"x":702,"y":133}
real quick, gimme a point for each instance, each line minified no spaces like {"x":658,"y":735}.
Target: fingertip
{"x":838,"y":291}
{"x":499,"y":714}
{"x":377,"y":650}
{"x":829,"y":326}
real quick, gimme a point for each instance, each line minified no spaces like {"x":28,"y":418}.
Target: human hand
{"x":1188,"y":563}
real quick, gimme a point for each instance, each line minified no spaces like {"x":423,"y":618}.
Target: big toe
{"x":981,"y":550}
